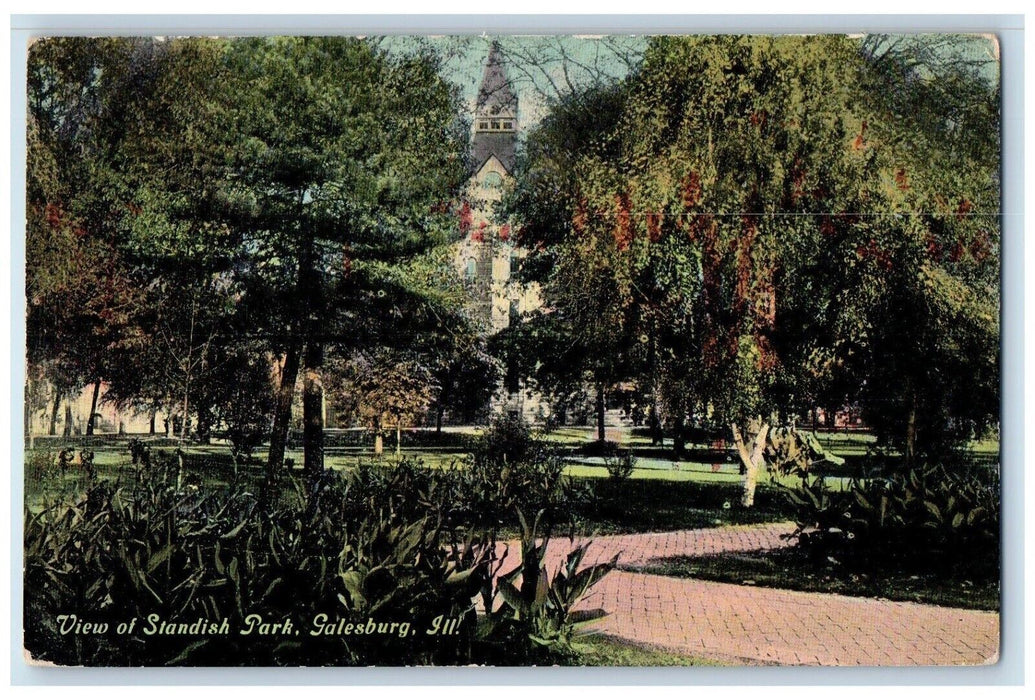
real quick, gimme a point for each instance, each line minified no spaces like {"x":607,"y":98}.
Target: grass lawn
{"x":793,"y":569}
{"x":660,"y":495}
{"x":602,"y":650}
{"x":656,"y":505}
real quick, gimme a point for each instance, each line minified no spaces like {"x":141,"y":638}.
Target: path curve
{"x":753,"y":625}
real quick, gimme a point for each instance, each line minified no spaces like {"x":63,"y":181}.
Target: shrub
{"x":508,"y":439}
{"x":384,"y":544}
{"x":929,"y":518}
{"x":620,"y":464}
{"x":536,"y":607}
{"x":513,"y":469}
{"x":38,"y":465}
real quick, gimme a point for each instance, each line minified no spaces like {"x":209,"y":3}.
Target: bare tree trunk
{"x":312,"y":409}
{"x":282,"y":411}
{"x":438,"y":420}
{"x":54,"y":412}
{"x":600,"y":412}
{"x":68,"y":420}
{"x":398,"y":437}
{"x":93,"y":406}
{"x":752,"y":460}
{"x":151,"y":423}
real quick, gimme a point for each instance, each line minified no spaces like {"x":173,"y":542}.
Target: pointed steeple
{"x":496,"y":98}
{"x":495,"y":114}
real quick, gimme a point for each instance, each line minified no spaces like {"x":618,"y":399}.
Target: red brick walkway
{"x":750,"y":625}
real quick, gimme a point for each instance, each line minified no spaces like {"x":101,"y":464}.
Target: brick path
{"x":750,"y":625}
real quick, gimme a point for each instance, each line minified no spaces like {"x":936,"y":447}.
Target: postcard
{"x":668,"y":350}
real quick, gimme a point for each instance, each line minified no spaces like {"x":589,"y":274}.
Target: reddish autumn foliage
{"x":766,"y":360}
{"x":692,"y":190}
{"x":934,"y":247}
{"x":580,"y":218}
{"x":346,"y":261}
{"x":478,"y":235}
{"x":710,"y":349}
{"x":963,"y":209}
{"x":957,"y":251}
{"x":902,"y":179}
{"x":980,"y":247}
{"x":872,"y":252}
{"x":797,"y":181}
{"x":860,"y":141}
{"x":54,"y":215}
{"x":465,"y":218}
{"x":505,"y":232}
{"x":654,"y":226}
{"x":745,"y":245}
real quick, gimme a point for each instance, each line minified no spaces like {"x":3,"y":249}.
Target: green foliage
{"x":697,"y":229}
{"x":536,"y":606}
{"x":926,"y":519}
{"x":619,"y":463}
{"x":792,"y":451}
{"x":382,"y":388}
{"x":193,"y":200}
{"x":512,"y":468}
{"x":388,"y":544}
{"x":38,"y":466}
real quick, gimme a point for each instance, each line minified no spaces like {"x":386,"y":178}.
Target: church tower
{"x":495,"y":116}
{"x":487,"y":254}
{"x":487,"y":250}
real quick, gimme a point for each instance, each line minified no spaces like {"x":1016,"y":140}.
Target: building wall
{"x":109,"y":420}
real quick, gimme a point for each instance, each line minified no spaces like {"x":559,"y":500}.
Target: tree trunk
{"x":151,"y":423}
{"x":282,"y":410}
{"x":27,"y":416}
{"x":398,"y":437}
{"x":379,"y":444}
{"x":678,"y":437}
{"x":600,"y":412}
{"x":656,"y":438}
{"x":752,"y":460}
{"x":911,"y":432}
{"x":312,"y":409}
{"x":205,"y":421}
{"x":54,"y":413}
{"x":438,"y":420}
{"x":93,"y":406}
{"x":67,"y":432}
